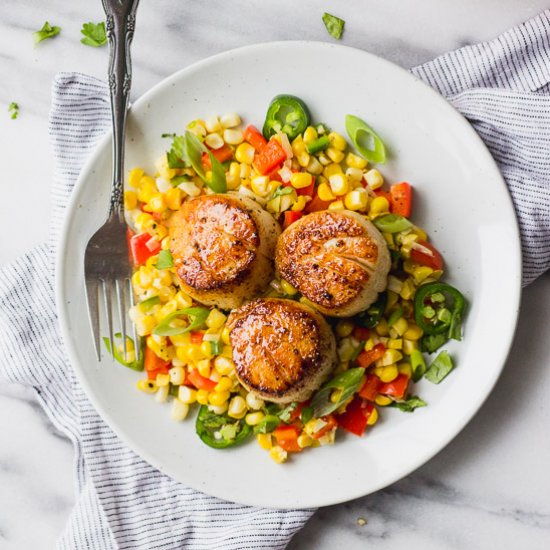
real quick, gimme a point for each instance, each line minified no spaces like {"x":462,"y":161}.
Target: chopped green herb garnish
{"x":334,"y":25}
{"x":165,"y":260}
{"x":410,"y":404}
{"x":267,"y":425}
{"x":307,"y":414}
{"x":94,"y":34}
{"x":47,"y":31}
{"x":13,"y":110}
{"x":442,"y":365}
{"x":286,"y":413}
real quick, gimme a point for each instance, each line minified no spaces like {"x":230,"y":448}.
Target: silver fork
{"x":107,"y":267}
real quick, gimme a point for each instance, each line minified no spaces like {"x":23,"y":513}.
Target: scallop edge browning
{"x":282,"y":350}
{"x":337,"y":259}
{"x":223,"y":248}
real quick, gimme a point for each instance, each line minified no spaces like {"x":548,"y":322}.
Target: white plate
{"x":460,"y":198}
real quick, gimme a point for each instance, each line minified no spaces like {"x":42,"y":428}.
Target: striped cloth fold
{"x":502,"y":87}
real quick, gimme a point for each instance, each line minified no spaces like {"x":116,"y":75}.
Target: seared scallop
{"x":223,"y":247}
{"x":337,"y":259}
{"x":282,"y":350}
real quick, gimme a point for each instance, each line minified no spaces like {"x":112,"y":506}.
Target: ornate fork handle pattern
{"x":120,"y":25}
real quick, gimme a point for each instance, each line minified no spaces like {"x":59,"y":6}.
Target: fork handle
{"x":120,"y":24}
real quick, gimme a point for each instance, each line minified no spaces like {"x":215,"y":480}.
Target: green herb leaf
{"x":218,"y":430}
{"x":432,"y":342}
{"x":94,"y":34}
{"x":347,"y":382}
{"x":410,"y":404}
{"x":193,"y":150}
{"x":286,"y":413}
{"x":13,"y":110}
{"x":334,"y":25}
{"x":197,"y":315}
{"x":165,"y":260}
{"x":217,"y":182}
{"x":176,"y":180}
{"x":365,"y":139}
{"x":47,"y":31}
{"x":307,"y":414}
{"x":175,"y":157}
{"x":267,"y":425}
{"x":442,"y":365}
{"x":146,"y":305}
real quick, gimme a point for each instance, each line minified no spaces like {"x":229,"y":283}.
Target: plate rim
{"x":64,"y":238}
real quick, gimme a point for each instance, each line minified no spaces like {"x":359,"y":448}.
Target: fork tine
{"x":108,"y":312}
{"x":122,"y":315}
{"x":137,"y":342}
{"x":92,"y":293}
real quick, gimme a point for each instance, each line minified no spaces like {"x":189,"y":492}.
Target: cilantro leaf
{"x":94,"y":34}
{"x":442,"y":365}
{"x":410,"y":404}
{"x":334,"y":25}
{"x":165,"y":260}
{"x":13,"y":110}
{"x":47,"y":31}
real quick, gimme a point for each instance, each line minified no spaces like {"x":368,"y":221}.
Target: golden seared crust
{"x":213,"y":241}
{"x":282,"y":349}
{"x":337,"y":259}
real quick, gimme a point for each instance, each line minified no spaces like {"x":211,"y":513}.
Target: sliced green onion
{"x":317,"y":145}
{"x":392,"y":223}
{"x":365,"y":139}
{"x":146,"y":305}
{"x":395,"y":316}
{"x":198,"y":316}
{"x":418,"y":365}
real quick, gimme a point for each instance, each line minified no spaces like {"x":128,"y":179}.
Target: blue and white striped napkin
{"x":502,"y":87}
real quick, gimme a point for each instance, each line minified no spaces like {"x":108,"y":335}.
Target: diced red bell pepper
{"x":401,"y":199}
{"x":316,"y":204}
{"x":253,"y":136}
{"x":309,"y":190}
{"x":290,"y":217}
{"x":356,"y":416}
{"x":200,"y":382}
{"x":385,"y":194}
{"x":223,"y":154}
{"x":142,"y":247}
{"x":397,"y":388}
{"x":287,"y":438}
{"x":367,"y":358}
{"x":275,"y":176}
{"x":371,"y":387}
{"x":330,"y":424}
{"x":196,"y":337}
{"x":432,"y":258}
{"x":270,"y":156}
{"x":361,"y":333}
{"x":154,"y":365}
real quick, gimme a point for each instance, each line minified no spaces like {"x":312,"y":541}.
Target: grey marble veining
{"x":489,"y":488}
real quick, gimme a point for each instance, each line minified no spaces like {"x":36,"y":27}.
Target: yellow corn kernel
{"x":134,"y":177}
{"x":332,"y":169}
{"x":378,"y":206}
{"x":298,"y":146}
{"x":390,"y":357}
{"x":162,"y":380}
{"x":405,"y":368}
{"x":314,"y":166}
{"x":173,"y":198}
{"x":303,"y":159}
{"x":413,"y":332}
{"x":422,"y":235}
{"x":146,"y":325}
{"x":355,"y":161}
{"x":218,"y":398}
{"x":374,"y":179}
{"x":156,"y":203}
{"x":179,"y":410}
{"x":253,"y":401}
{"x":260,"y":185}
{"x":166,"y":293}
{"x":194,"y":353}
{"x":226,"y":336}
{"x":337,"y":141}
{"x":408,"y":290}
{"x":224,"y":384}
{"x":265,"y":441}
{"x":355,"y":175}
{"x":310,"y":134}
{"x":162,"y":394}
{"x":299,"y":180}
{"x":299,"y":204}
{"x":187,"y":395}
{"x":373,"y":417}
{"x":382,"y":328}
{"x":215,"y":319}
{"x":356,"y":199}
{"x":245,"y":154}
{"x":278,"y":454}
{"x":147,"y":186}
{"x":237,"y":407}
{"x":233,"y":136}
{"x":224,"y":365}
{"x":400,"y":326}
{"x":304,"y":441}
{"x":389,"y":374}
{"x":144,"y":221}
{"x":147,"y":386}
{"x":344,"y":328}
{"x":253,"y":419}
{"x":421,"y":272}
{"x":203,"y":366}
{"x":288,"y":288}
{"x":395,"y":343}
{"x":339,"y":184}
{"x":334,"y":154}
{"x":202,"y":397}
{"x":230,"y":120}
{"x":409,"y":346}
{"x":176,"y":375}
{"x":325,"y":192}
{"x":197,"y":127}
{"x":206,"y":349}
{"x":130,"y":200}
{"x":382,"y":400}
{"x":336,"y":205}
{"x":212,"y":124}
{"x":235,"y":170}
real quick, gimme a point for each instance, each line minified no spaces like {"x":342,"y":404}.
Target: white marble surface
{"x":490,"y":488}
